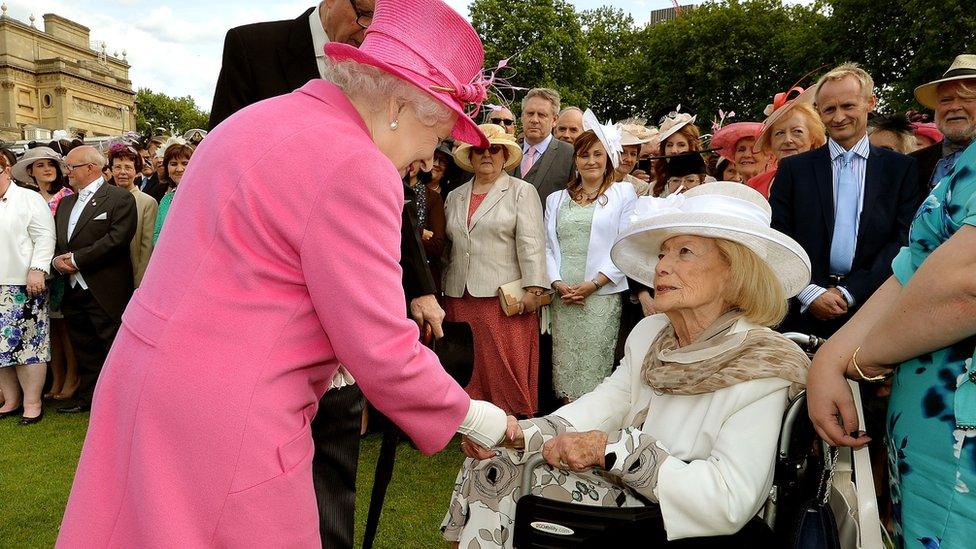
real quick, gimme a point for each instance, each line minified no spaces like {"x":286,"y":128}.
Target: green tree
{"x":613,"y":46}
{"x":174,"y":114}
{"x":902,"y":43}
{"x":544,"y":40}
{"x":731,"y":55}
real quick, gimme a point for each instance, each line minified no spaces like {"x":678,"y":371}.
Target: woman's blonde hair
{"x":752,"y":287}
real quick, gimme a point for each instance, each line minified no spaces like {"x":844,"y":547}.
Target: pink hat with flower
{"x":427,"y":43}
{"x":928,"y":130}
{"x":728,"y":136}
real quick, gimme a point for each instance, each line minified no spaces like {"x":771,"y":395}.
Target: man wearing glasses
{"x":263,"y":60}
{"x":502,"y":117}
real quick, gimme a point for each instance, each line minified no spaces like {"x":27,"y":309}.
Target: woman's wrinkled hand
{"x":830,"y":404}
{"x":642,"y":175}
{"x":576,"y":452}
{"x":35,"y":283}
{"x":474,"y":450}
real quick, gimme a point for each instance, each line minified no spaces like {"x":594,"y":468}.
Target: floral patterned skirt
{"x":24,"y":327}
{"x":481,"y":514}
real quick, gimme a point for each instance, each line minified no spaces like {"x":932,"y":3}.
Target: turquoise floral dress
{"x":584,"y":338}
{"x":932,"y":411}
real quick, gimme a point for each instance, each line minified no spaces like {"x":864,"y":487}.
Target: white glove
{"x":484,"y":424}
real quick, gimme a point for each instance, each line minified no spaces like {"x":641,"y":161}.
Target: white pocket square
{"x":101,"y":217}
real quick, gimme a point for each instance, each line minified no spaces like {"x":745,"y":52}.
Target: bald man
{"x":569,"y":125}
{"x":94,"y":228}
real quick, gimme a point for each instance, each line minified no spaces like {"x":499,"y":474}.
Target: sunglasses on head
{"x":494,"y":149}
{"x":502,"y":121}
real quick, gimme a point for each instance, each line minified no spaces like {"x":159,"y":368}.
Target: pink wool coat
{"x":278,"y":261}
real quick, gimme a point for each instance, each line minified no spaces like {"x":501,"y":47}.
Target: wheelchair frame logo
{"x":551,"y":528}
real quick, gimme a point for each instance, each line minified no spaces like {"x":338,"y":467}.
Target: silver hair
{"x":550,"y":95}
{"x":570,"y":109}
{"x":374,"y":87}
{"x":91,"y":155}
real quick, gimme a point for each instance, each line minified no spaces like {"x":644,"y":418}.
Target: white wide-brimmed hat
{"x":19,"y":170}
{"x":608,"y":134}
{"x":963,"y":68}
{"x":722,"y":209}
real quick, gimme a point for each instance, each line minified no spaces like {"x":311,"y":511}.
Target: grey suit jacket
{"x":552,"y":171}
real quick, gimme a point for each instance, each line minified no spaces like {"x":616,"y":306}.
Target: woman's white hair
{"x":375,"y":87}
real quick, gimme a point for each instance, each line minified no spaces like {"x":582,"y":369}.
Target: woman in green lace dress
{"x":582,"y":223}
{"x":919,"y":326}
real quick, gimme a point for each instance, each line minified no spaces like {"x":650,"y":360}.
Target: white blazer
{"x":26,"y":235}
{"x":722,"y":444}
{"x":608,"y":220}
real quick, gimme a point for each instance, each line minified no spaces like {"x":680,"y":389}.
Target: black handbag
{"x":816,"y":524}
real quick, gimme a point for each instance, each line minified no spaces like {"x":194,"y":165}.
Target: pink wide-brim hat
{"x":428,"y":44}
{"x":929,"y":130}
{"x":727,"y":137}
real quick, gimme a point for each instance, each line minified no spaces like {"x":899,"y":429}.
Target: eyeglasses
{"x":502,"y":121}
{"x":76,"y":166}
{"x":494,"y":149}
{"x":364,"y":18}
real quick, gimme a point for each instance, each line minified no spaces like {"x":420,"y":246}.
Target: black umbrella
{"x":456,"y":353}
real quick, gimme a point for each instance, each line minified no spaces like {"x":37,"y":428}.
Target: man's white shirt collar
{"x":542,"y":147}
{"x":319,"y":38}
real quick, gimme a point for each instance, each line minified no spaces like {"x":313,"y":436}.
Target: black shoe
{"x":13,"y":412}
{"x":32,"y":420}
{"x":76,"y":409}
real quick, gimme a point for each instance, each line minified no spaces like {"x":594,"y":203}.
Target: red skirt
{"x":506,"y":353}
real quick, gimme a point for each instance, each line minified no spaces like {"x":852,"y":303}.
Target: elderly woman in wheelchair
{"x":690,"y":419}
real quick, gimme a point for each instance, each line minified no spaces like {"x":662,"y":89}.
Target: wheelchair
{"x":544,"y":523}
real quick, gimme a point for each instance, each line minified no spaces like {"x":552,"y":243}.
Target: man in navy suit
{"x":847,"y":203}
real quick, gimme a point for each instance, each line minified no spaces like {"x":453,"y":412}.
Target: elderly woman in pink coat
{"x":258,"y":290}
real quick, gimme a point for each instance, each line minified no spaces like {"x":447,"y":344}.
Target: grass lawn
{"x":37,"y":464}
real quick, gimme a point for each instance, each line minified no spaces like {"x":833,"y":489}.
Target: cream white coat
{"x":722,"y":444}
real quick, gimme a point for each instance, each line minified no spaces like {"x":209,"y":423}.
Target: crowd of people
{"x":626,"y":286}
{"x":61,"y":317}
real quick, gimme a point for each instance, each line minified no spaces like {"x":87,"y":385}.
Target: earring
{"x":394,"y":125}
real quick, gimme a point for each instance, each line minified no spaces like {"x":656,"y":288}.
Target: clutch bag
{"x":510,"y":297}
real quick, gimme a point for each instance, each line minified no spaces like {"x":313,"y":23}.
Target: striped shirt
{"x":860,"y":164}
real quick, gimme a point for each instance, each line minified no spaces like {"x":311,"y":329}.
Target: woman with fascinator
{"x":260,"y":287}
{"x":689,"y":420}
{"x":582,"y":222}
{"x":678,"y":134}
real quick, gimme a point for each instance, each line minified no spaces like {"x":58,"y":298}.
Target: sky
{"x":175,"y":46}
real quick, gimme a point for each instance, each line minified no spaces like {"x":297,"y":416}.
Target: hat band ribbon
{"x":702,"y":205}
{"x":959,"y":72}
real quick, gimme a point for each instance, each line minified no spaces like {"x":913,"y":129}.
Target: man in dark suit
{"x":953,"y":98}
{"x":94,"y":228}
{"x":848,"y":204}
{"x":263,"y":60}
{"x":273,"y":58}
{"x":547,"y":162}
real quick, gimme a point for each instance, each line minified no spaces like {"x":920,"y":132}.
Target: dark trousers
{"x":335,"y":430}
{"x":91,"y":331}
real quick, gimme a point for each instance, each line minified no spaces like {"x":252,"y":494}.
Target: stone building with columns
{"x":53,"y":79}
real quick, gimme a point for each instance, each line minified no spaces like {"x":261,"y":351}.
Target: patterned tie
{"x":845,"y":219}
{"x":528,"y":160}
{"x":942,"y":168}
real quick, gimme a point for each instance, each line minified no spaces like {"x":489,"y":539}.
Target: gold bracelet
{"x":860,"y":373}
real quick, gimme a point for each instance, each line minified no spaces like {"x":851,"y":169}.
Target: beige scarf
{"x":720,"y":359}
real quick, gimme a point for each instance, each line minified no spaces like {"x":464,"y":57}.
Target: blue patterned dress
{"x":932,"y":412}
